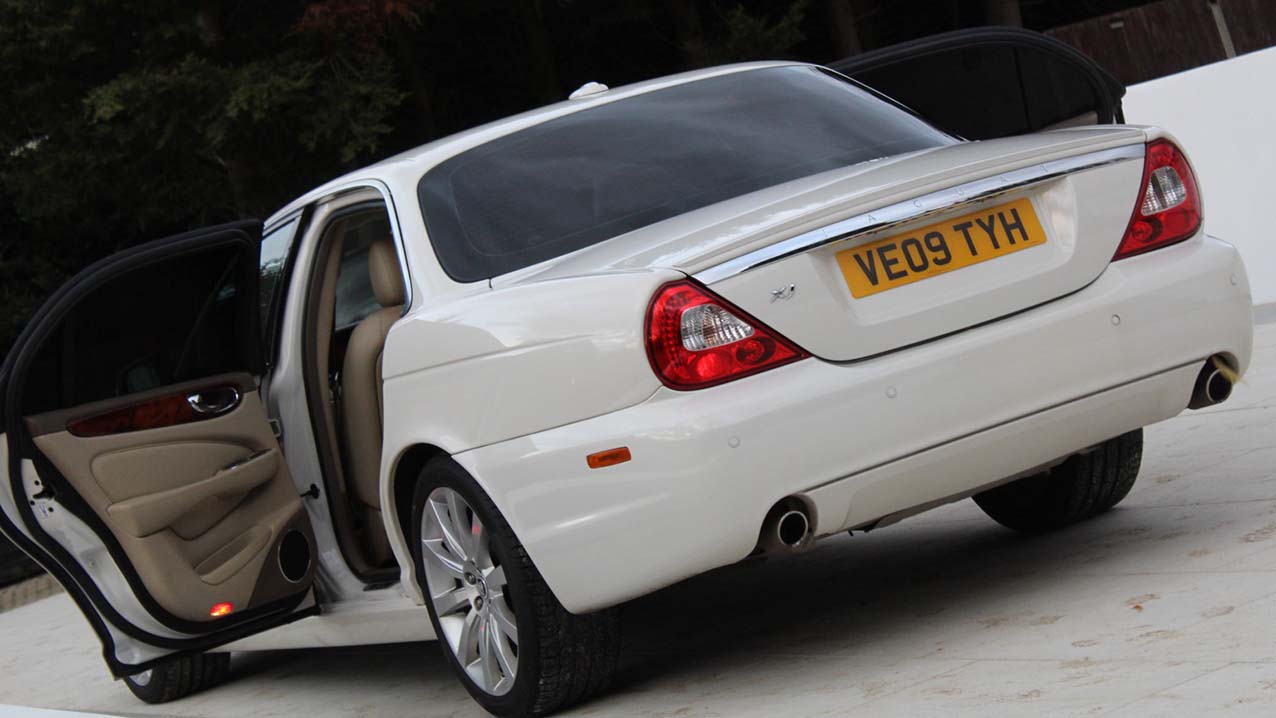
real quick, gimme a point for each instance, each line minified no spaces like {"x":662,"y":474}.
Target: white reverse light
{"x":706,"y":326}
{"x":1165,"y":191}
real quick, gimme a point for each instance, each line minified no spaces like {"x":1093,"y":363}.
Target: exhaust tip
{"x":1214,"y":383}
{"x":1218,"y":387}
{"x":792,"y":528}
{"x":787,"y":528}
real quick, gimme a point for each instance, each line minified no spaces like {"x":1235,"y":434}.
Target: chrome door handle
{"x":212,"y":402}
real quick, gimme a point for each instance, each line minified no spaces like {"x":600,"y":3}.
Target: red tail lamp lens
{"x":696,"y":339}
{"x":1169,"y":202}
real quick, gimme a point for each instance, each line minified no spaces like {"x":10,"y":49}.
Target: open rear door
{"x":991,"y":82}
{"x":140,"y":468}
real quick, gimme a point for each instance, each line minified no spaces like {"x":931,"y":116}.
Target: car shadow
{"x":862,"y":594}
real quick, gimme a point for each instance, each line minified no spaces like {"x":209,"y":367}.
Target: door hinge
{"x":311,"y":493}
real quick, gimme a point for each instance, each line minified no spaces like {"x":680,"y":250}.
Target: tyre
{"x":511,"y":643}
{"x":180,"y":677}
{"x":1082,"y":486}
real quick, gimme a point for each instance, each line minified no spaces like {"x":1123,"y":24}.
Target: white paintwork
{"x":497,"y":365}
{"x":587,"y":89}
{"x":1224,"y":115}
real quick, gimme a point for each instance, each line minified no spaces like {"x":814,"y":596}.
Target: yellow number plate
{"x":939,"y":248}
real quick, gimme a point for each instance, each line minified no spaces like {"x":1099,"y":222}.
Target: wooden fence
{"x":1170,"y":36}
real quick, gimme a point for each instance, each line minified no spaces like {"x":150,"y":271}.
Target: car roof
{"x":409,"y":166}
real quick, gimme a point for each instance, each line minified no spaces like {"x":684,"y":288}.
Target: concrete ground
{"x":1163,"y":606}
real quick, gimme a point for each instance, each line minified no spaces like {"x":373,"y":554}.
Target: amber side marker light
{"x":220,"y":609}
{"x":610,"y":457}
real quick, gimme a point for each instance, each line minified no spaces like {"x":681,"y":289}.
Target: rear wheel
{"x":509,"y":640}
{"x":1084,"y":485}
{"x":180,"y":677}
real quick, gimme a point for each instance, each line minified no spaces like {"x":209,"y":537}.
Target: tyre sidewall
{"x":154,"y":691}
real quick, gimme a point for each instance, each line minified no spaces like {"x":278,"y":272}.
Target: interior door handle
{"x":213,"y":402}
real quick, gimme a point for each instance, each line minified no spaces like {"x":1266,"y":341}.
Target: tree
{"x":137,"y":118}
{"x":843,"y":29}
{"x":760,"y":36}
{"x":1003,"y":12}
{"x":686,"y":22}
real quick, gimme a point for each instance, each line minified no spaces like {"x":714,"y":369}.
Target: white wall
{"x":1224,"y":115}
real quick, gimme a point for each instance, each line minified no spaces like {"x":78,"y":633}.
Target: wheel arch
{"x":401,"y":480}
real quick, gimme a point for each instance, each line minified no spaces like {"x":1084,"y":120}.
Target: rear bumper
{"x":866,"y":441}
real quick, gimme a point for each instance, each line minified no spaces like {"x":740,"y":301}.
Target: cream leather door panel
{"x":197,"y":506}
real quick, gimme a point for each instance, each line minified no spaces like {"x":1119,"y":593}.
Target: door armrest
{"x":147,"y":514}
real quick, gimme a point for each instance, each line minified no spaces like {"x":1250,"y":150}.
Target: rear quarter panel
{"x":518,"y":360}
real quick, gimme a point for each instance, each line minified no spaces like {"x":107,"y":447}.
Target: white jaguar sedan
{"x":492,"y":388}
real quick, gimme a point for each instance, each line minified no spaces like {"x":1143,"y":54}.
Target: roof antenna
{"x":588,"y":89}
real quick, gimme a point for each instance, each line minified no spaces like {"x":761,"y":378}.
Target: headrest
{"x":387,"y":278}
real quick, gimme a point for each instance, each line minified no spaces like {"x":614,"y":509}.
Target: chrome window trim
{"x":917,"y":208}
{"x":281,"y":221}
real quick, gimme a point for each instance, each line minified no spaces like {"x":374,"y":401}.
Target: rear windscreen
{"x":592,"y":175}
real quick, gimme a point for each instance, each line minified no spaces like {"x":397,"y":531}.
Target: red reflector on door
{"x":220,"y":609}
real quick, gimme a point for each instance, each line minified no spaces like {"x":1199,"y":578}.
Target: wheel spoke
{"x":441,"y":558}
{"x":447,"y":528}
{"x":471,"y":634}
{"x":495,"y":578}
{"x":490,"y":662}
{"x":482,"y":547}
{"x":504,"y":617}
{"x":452,"y":601}
{"x":504,"y":653}
{"x":460,"y":525}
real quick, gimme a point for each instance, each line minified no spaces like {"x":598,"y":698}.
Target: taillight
{"x":696,"y":339}
{"x":1169,"y":204}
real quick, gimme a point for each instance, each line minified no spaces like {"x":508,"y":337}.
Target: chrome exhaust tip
{"x":1213,"y":384}
{"x":786,"y":528}
{"x":792,"y":528}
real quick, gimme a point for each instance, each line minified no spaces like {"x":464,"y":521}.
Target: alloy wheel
{"x":468,"y":590}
